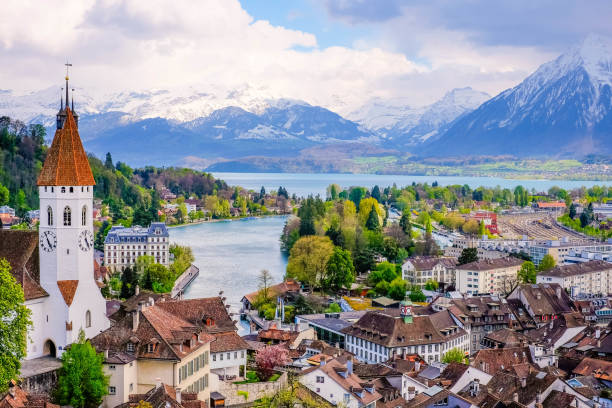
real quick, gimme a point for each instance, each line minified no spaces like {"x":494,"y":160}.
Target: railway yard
{"x":540,"y":225}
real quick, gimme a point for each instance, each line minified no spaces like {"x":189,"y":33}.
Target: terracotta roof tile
{"x":66,"y":163}
{"x":229,"y":341}
{"x":598,"y":368}
{"x":68,"y":289}
{"x":20,"y":249}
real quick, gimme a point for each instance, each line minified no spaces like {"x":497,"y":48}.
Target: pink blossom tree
{"x":268,"y":358}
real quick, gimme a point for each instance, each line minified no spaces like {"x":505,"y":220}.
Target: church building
{"x":61,"y":290}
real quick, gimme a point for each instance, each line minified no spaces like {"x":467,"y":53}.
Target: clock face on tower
{"x":48,"y":241}
{"x":86,"y":240}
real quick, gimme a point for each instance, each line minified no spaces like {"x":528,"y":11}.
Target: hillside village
{"x":424,"y":296}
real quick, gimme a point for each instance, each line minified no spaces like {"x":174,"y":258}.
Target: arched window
{"x":88,"y":319}
{"x":67,"y":217}
{"x":84,"y":215}
{"x":63,"y":189}
{"x":72,"y":189}
{"x":49,"y":216}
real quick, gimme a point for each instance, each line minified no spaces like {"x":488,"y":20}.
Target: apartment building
{"x":494,"y":276}
{"x":420,"y":269}
{"x":592,"y":277}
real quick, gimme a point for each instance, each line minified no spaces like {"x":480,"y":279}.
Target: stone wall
{"x":43,"y":383}
{"x":255,"y":390}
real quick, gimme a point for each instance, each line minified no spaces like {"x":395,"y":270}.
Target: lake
{"x":303,"y":184}
{"x":230,"y":255}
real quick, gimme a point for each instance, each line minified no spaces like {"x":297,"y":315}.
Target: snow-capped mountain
{"x":564,"y":107}
{"x":404,"y":126}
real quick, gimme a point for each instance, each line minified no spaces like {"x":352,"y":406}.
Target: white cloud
{"x":216,"y":46}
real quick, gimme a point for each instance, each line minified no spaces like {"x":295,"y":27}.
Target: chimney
{"x":178,"y":394}
{"x":349,"y":365}
{"x":597,"y":333}
{"x":11,"y":389}
{"x":476,"y":385}
{"x":323,"y":358}
{"x":538,"y":295}
{"x":411,"y":393}
{"x":135,"y":320}
{"x":106,"y":354}
{"x":598,"y":343}
{"x":158,"y":382}
{"x":137,"y":290}
{"x":417,"y":366}
{"x":515,"y":397}
{"x":523,"y":382}
{"x":558,"y":290}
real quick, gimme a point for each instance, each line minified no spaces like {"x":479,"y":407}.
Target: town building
{"x":559,"y":250}
{"x":378,"y":335}
{"x":191,"y":344}
{"x":420,"y":269}
{"x":542,"y":302}
{"x":335,"y":381}
{"x":495,"y":276}
{"x":481,"y":315}
{"x":489,"y":218}
{"x":123,"y":246}
{"x":56,"y":265}
{"x":587,"y":278}
{"x":162,"y":395}
{"x":328,"y":326}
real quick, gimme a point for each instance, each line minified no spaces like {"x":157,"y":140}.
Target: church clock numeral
{"x":86,"y":240}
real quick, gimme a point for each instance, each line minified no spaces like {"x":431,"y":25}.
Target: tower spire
{"x":68,"y":65}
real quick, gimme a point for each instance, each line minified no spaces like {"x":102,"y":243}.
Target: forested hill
{"x":125,"y":190}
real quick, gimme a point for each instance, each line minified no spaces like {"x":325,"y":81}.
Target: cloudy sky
{"x":336,"y":53}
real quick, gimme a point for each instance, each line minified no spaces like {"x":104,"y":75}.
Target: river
{"x":230,"y":255}
{"x":303,"y":184}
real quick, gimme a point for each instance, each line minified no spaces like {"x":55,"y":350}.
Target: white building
{"x":420,"y":269}
{"x":590,"y":278}
{"x":377,"y":336}
{"x":123,"y":246}
{"x":495,"y":276}
{"x":339,"y":385}
{"x":73,"y":301}
{"x":559,"y":250}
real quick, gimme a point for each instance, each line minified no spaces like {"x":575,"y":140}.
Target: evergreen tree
{"x":262,"y":192}
{"x":108,"y":163}
{"x":376,"y":193}
{"x":129,"y":280}
{"x":340,"y":271}
{"x":468,"y":255}
{"x":481,"y":229}
{"x":572,"y":211}
{"x":405,"y":223}
{"x":373,"y":223}
{"x":81,"y":380}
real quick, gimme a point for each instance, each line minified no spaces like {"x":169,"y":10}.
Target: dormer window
{"x":210,"y":322}
{"x":150,"y":348}
{"x":130,"y":347}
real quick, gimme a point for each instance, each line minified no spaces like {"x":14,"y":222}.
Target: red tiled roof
{"x":68,"y":289}
{"x":18,"y":398}
{"x":20,"y":249}
{"x":551,"y":205}
{"x":66,"y":163}
{"x":598,"y":368}
{"x":275,"y":290}
{"x":229,"y":341}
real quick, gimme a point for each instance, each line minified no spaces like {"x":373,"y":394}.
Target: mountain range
{"x":563,"y":109}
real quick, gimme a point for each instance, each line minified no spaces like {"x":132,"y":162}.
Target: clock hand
{"x":48,"y":242}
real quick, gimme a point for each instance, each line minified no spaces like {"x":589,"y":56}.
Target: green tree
{"x":376,"y":193}
{"x":454,"y":355}
{"x":431,"y":285}
{"x":81,"y":381}
{"x":382,"y":288}
{"x":129,"y":280}
{"x":397,"y":289}
{"x":14,"y":323}
{"x":547,"y":263}
{"x":108,"y":163}
{"x":481,"y":229}
{"x":572,"y":211}
{"x":527,"y":273}
{"x":356,"y":194}
{"x":308,"y":259}
{"x":468,"y":255}
{"x":373,"y":223}
{"x":332,"y":191}
{"x":333,"y":308}
{"x":4,"y":195}
{"x":405,"y":223}
{"x":417,"y":295}
{"x":340,"y":270}
{"x":161,"y":278}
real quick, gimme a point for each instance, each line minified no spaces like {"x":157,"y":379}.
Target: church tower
{"x":66,"y":240}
